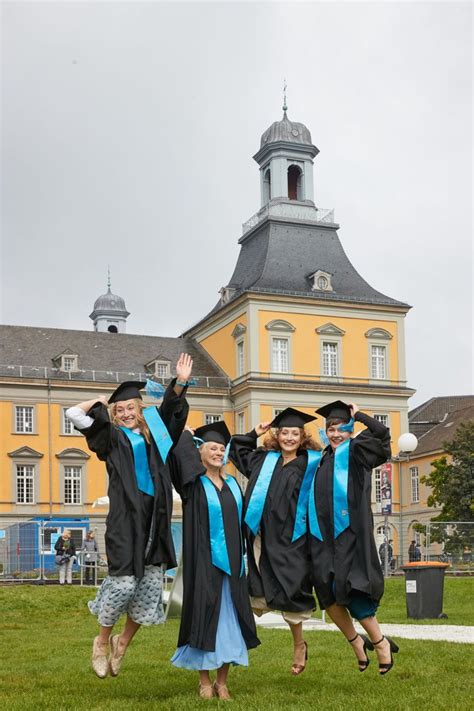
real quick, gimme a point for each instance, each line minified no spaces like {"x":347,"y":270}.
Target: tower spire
{"x":108,"y":277}
{"x":285,"y":107}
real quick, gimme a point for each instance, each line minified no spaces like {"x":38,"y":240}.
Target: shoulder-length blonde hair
{"x":307,"y":442}
{"x":141,"y":422}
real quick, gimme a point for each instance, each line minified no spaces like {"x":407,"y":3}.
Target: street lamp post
{"x":407,"y":443}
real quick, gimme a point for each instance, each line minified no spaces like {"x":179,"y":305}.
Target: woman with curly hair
{"x":279,"y":476}
{"x":134,"y":442}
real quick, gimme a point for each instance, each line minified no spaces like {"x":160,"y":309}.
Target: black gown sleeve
{"x":101,"y":436}
{"x":174,"y":411}
{"x":185,"y":464}
{"x":372,"y":446}
{"x":244,"y":454}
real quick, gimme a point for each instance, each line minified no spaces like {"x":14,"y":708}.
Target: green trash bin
{"x":424,"y":584}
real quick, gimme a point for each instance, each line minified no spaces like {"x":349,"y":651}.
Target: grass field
{"x":45,"y":641}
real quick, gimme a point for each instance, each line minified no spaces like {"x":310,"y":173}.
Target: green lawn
{"x":45,"y":641}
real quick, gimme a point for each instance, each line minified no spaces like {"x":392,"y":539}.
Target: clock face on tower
{"x":295,"y":132}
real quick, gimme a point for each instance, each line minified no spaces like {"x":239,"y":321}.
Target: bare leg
{"x":129,"y":631}
{"x":372,"y":627}
{"x":341,"y":617}
{"x":221,"y":683}
{"x":206,"y":689}
{"x":299,"y":651}
{"x":104,"y":637}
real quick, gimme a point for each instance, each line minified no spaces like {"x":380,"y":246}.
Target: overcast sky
{"x":128,"y":135}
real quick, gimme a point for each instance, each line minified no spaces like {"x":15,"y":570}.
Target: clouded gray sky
{"x":128,"y":135}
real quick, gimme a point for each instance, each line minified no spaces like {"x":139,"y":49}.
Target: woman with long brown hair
{"x":279,"y":475}
{"x":134,"y":442}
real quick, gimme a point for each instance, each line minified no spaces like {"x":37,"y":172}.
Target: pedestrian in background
{"x":65,"y":552}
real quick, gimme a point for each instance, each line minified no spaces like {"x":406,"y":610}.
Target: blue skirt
{"x":230,"y":644}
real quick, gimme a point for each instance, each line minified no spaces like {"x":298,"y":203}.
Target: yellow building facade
{"x":296,"y":325}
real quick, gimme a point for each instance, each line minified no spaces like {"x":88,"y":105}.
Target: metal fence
{"x":27,"y":554}
{"x":450,"y":542}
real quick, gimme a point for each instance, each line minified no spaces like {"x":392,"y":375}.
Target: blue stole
{"x":302,"y":507}
{"x":219,"y":553}
{"x":142,"y":469}
{"x":256,"y":504}
{"x":162,"y":440}
{"x":158,"y":430}
{"x":339,"y":495}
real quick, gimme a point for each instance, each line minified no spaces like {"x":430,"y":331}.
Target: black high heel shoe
{"x":363,"y":663}
{"x":385,"y":668}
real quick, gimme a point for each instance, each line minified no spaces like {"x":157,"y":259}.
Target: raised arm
{"x":243,"y":449}
{"x":371,"y":446}
{"x":174,"y":407}
{"x":185,"y":463}
{"x":91,"y":418}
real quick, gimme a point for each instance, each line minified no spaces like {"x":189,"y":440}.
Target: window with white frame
{"x":24,"y":419}
{"x":68,"y":362}
{"x":162,"y":369}
{"x":72,"y":484}
{"x":25,"y":483}
{"x":330,"y":359}
{"x":241,"y":423}
{"x":415,"y":485}
{"x":378,"y":485}
{"x":210,"y":419}
{"x":280,"y":355}
{"x":381,"y":418}
{"x":68,"y":427}
{"x":378,"y":360}
{"x":240,"y":358}
{"x":48,"y":533}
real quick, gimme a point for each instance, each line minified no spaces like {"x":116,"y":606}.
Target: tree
{"x":452,"y":489}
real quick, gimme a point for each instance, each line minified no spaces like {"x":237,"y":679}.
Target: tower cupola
{"x":286,"y":162}
{"x":109,"y":313}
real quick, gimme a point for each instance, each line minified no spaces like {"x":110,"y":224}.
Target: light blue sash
{"x":142,"y":470}
{"x":256,"y":504}
{"x":339,"y":497}
{"x":302,"y":507}
{"x":219,"y":553}
{"x":158,"y":431}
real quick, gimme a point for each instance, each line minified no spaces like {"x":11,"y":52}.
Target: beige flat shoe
{"x":206,"y":692}
{"x":115,"y":658}
{"x":222,"y":691}
{"x":100,"y":661}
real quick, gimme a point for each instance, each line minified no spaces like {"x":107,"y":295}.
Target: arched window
{"x":294,"y":183}
{"x":112,"y":329}
{"x":267,"y":186}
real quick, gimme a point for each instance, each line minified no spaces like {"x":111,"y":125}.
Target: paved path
{"x":438,"y":633}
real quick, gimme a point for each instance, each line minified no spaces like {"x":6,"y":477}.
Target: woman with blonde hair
{"x":217,"y":626}
{"x":279,"y":476}
{"x":65,"y":552}
{"x":134,"y":441}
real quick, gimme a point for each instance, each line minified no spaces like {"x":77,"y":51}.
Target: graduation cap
{"x":215,"y":432}
{"x":336,"y":410}
{"x":292,"y":418}
{"x":130,"y":390}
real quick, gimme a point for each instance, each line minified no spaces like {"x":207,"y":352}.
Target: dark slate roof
{"x":279,"y":257}
{"x":432,"y":440}
{"x":121,"y":352}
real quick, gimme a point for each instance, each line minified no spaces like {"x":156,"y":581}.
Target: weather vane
{"x":108,"y":276}
{"x":285,"y":107}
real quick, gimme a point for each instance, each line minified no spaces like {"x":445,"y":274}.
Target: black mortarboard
{"x":215,"y":432}
{"x":129,"y":390}
{"x":292,"y":418}
{"x":337,"y":410}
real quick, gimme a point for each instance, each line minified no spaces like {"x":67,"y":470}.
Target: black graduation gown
{"x":350,"y":561}
{"x":131,"y":511}
{"x":202,"y":580}
{"x":283,"y":575}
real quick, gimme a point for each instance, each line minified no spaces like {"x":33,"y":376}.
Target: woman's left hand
{"x":184,"y":367}
{"x":354,"y":408}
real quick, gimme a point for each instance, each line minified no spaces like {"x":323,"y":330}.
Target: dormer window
{"x":159,"y":367}
{"x":321,"y":281}
{"x":226,"y":294}
{"x":69,"y":363}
